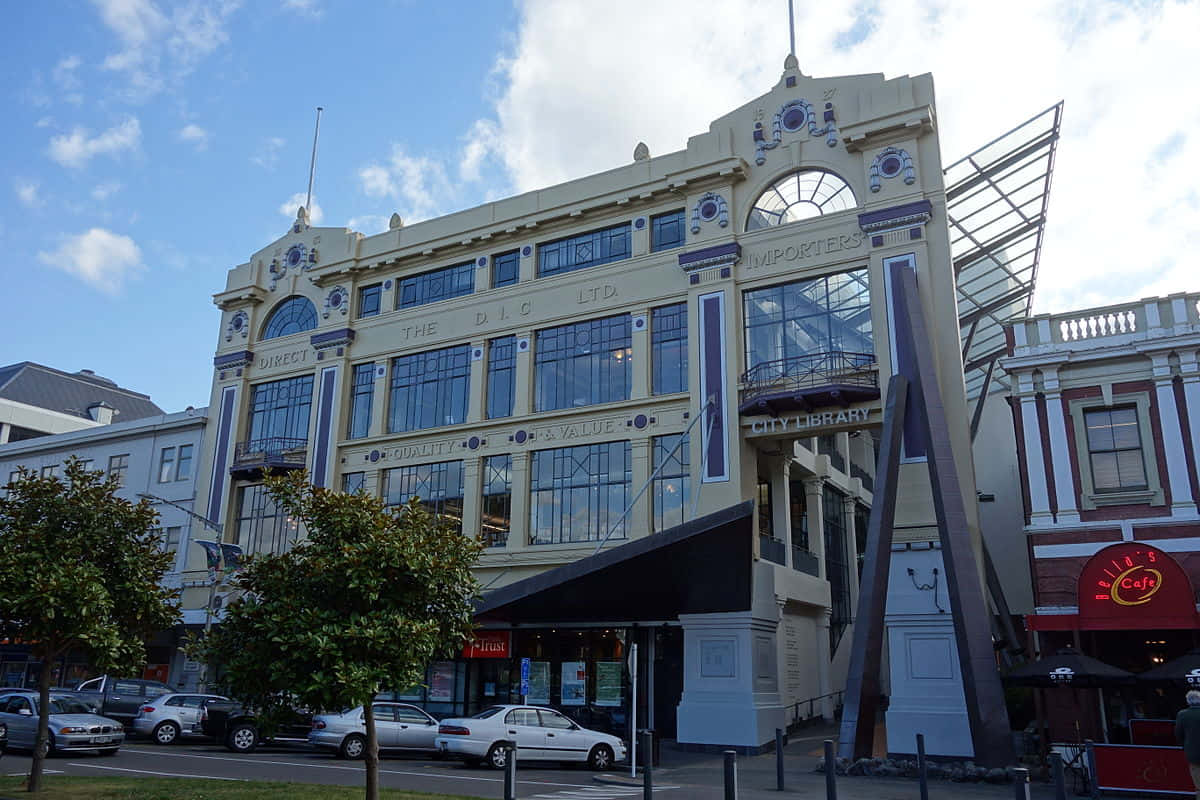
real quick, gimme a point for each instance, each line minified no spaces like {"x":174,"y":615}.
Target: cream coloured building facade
{"x":713,"y":325}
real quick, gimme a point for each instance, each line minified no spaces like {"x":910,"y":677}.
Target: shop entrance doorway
{"x":668,"y":679}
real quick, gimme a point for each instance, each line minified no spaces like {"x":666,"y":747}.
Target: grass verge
{"x":64,"y":787}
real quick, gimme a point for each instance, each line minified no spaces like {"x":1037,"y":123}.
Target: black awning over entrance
{"x":701,"y":566}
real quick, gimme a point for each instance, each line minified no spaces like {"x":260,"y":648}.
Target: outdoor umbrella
{"x":1182,"y":671}
{"x":1069,"y":668}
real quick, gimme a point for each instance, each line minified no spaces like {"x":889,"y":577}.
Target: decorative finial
{"x":790,"y":62}
{"x":395,"y":222}
{"x":641,"y":152}
{"x":302,"y":215}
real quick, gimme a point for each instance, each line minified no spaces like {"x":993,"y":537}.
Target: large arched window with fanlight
{"x":802,"y":194}
{"x":296,"y":314}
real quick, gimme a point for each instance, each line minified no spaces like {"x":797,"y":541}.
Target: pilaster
{"x":851,"y":505}
{"x":638,"y":523}
{"x":477,"y":387}
{"x":1035,"y":468}
{"x":1189,"y":371}
{"x":472,"y":495}
{"x":1182,"y":502}
{"x":1064,"y":483}
{"x":518,"y":533}
{"x":824,"y":660}
{"x":379,"y":400}
{"x":523,"y":378}
{"x":640,"y":366}
{"x":814,"y":504}
{"x":781,"y":510}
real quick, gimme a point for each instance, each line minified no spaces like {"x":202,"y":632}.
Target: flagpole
{"x":633,"y":713}
{"x":312,"y":167}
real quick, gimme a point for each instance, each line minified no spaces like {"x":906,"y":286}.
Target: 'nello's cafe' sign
{"x":804,"y":424}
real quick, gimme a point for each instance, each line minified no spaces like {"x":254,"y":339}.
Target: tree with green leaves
{"x":80,"y":569}
{"x":367,"y":599}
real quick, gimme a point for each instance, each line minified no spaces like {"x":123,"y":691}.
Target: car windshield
{"x":488,"y":712}
{"x":67,"y":705}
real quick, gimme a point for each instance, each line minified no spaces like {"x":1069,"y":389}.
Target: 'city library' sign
{"x":811,"y":424}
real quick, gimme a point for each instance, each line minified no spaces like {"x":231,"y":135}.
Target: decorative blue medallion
{"x":794,"y":116}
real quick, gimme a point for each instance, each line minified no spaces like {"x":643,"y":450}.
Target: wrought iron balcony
{"x":252,"y":457}
{"x":772,"y":549}
{"x":807,"y":382}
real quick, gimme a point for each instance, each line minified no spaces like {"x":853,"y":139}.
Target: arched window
{"x":800,"y":195}
{"x":294,"y":315}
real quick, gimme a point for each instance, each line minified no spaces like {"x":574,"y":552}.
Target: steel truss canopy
{"x":996,"y":200}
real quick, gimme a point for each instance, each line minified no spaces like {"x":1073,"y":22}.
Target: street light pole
{"x":214,"y":573}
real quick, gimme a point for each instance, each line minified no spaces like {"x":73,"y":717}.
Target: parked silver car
{"x":398,"y":726}
{"x":167,"y":717}
{"x":72,"y":725}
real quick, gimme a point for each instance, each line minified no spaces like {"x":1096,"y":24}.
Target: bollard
{"x":510,"y":773}
{"x":922,"y":768}
{"x":1021,"y":783}
{"x":648,"y":767}
{"x":1060,"y":778}
{"x":779,"y":759}
{"x":1091,"y":768}
{"x":731,"y":775}
{"x":830,"y":771}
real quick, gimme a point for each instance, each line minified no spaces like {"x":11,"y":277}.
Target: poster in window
{"x":574,"y":683}
{"x":441,"y":682}
{"x":539,"y":683}
{"x":608,"y":683}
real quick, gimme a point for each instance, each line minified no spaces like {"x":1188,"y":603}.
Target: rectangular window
{"x":584,"y":250}
{"x":497,"y":500}
{"x":506,"y":269}
{"x":87,"y":464}
{"x":362,"y":391}
{"x":837,"y":566}
{"x":435,"y":285}
{"x":669,"y":348}
{"x":166,"y":465}
{"x":667,"y":230}
{"x":50,"y":471}
{"x":438,"y":486}
{"x":578,"y":493}
{"x":171,"y":537}
{"x":279,"y":412}
{"x":501,"y":376}
{"x":354,"y":482}
{"x":183,"y":466}
{"x":807,"y":326}
{"x":117,"y":467}
{"x":369,"y":298}
{"x":262,"y":527}
{"x":583,"y":364}
{"x":670,"y":490}
{"x":1115,"y":449}
{"x":429,"y":389}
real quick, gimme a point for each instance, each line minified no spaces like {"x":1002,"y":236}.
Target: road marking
{"x":598,"y":793}
{"x":425,"y":774}
{"x":44,"y":772}
{"x":152,"y":772}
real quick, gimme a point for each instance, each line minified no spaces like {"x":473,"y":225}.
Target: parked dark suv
{"x":241,"y":729}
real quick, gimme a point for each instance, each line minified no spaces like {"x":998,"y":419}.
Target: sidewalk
{"x":704,"y":775}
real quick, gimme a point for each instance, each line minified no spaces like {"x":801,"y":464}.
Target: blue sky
{"x":152,"y":145}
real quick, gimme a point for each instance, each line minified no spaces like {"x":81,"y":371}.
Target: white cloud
{"x":64,"y":72}
{"x":157,"y":48}
{"x":27,"y":193}
{"x":194,"y":135}
{"x":368,"y":223}
{"x":103,"y":191}
{"x":564,"y":107}
{"x":310,"y":8}
{"x":78,"y":147}
{"x":98,"y":257}
{"x":290,"y":206}
{"x":268,"y":152}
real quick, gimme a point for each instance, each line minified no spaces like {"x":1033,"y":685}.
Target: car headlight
{"x":118,"y":727}
{"x":72,"y":729}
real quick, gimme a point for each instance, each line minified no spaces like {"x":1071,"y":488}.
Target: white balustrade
{"x":1112,"y":323}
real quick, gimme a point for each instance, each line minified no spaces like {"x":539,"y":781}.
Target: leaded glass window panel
{"x":362,"y":392}
{"x":583,"y":364}
{"x":429,"y":389}
{"x":669,"y":349}
{"x":584,"y":250}
{"x":667,"y":230}
{"x":294,"y":315}
{"x":506,"y":268}
{"x":496,"y":513}
{"x":837,"y":564}
{"x":280,"y":409}
{"x":262,"y":526}
{"x":670,"y":492}
{"x":501,"y":376}
{"x":801,"y":195}
{"x":435,"y":285}
{"x":439,"y":487}
{"x":579,"y":493}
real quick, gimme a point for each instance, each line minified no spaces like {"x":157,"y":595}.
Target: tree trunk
{"x":42,"y":742}
{"x":371,"y":757}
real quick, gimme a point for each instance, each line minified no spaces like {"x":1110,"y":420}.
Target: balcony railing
{"x":1108,"y":325}
{"x":772,"y":549}
{"x":809,"y":381}
{"x":274,"y":452}
{"x":804,"y":561}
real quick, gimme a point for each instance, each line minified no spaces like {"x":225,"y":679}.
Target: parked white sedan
{"x":540,"y":734}
{"x":397,"y":726}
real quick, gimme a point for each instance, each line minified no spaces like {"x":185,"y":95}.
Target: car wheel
{"x":497,"y":756}
{"x":353,"y":747}
{"x":601,"y":757}
{"x":242,"y":738}
{"x":165,"y":733}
